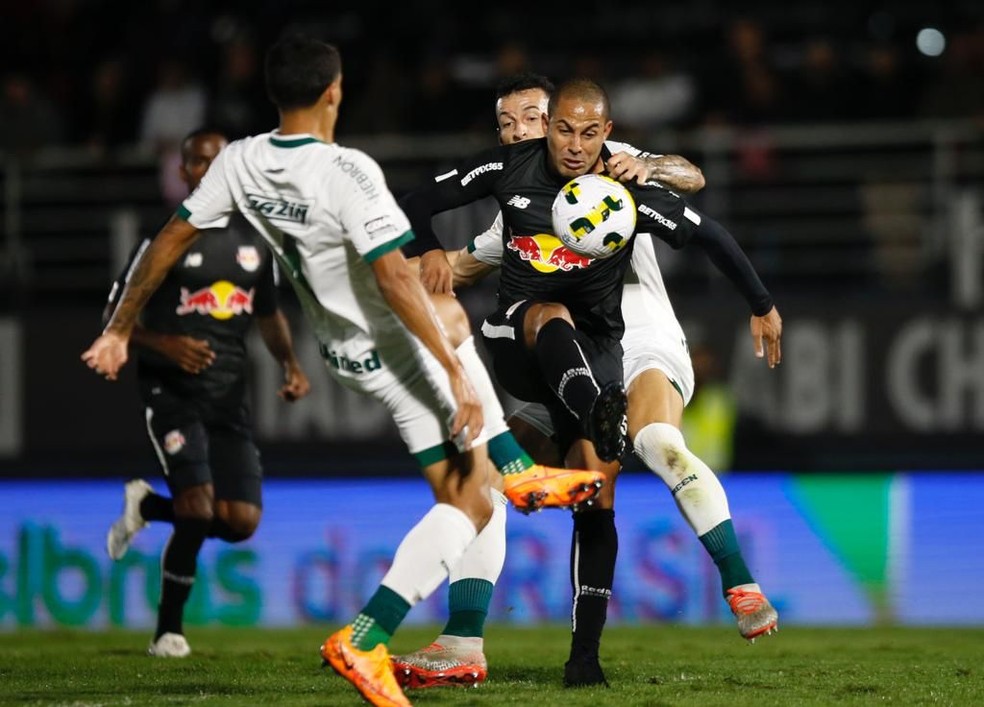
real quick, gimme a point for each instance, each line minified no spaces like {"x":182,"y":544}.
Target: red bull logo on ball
{"x":546,"y":253}
{"x":222,"y":300}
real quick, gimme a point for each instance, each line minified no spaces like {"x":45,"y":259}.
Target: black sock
{"x":157,"y":507}
{"x":564,"y":367}
{"x":178,"y":572}
{"x":594,"y":548}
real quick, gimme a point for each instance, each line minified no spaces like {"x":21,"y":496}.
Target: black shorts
{"x":197,"y":443}
{"x":517,"y":370}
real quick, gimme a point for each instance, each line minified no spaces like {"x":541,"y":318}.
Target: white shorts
{"x":412,"y":385}
{"x":650,"y":345}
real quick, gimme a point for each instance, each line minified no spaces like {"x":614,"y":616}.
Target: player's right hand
{"x":106,"y":355}
{"x":192,"y":355}
{"x":468,"y":421}
{"x":627,"y":168}
{"x":766,"y":335}
{"x":436,"y":274}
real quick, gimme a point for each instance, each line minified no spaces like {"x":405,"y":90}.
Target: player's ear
{"x":333,"y":93}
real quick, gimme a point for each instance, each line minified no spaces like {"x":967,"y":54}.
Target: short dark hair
{"x":299,"y":69}
{"x":201,"y":132}
{"x":523,"y":82}
{"x":581,"y":89}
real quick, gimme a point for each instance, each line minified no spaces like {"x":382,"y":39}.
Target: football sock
{"x":473,"y":578}
{"x":379,"y":619}
{"x":468,"y":600}
{"x":506,"y":454}
{"x":594,"y":547}
{"x":419,"y":566}
{"x":698,"y":494}
{"x":722,"y":545}
{"x":178,"y":567}
{"x":565,"y":368}
{"x":155,"y":507}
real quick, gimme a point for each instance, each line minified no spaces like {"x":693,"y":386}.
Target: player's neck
{"x":318,"y":123}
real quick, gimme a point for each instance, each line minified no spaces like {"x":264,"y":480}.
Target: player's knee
{"x":453,"y":317}
{"x":662,"y":448}
{"x":242,"y":523}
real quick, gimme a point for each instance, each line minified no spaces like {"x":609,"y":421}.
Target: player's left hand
{"x":626,"y":168}
{"x":766,"y":333}
{"x":435,"y":273}
{"x":468,"y":421}
{"x":107,"y":355}
{"x":296,"y":384}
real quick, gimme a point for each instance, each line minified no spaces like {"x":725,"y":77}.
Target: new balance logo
{"x":520,"y":202}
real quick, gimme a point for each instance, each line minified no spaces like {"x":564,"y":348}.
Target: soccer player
{"x":191,"y":372}
{"x":457,"y":656}
{"x":326,"y":212}
{"x":574,"y":145}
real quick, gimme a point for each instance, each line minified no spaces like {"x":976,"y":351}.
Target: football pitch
{"x":651,"y":665}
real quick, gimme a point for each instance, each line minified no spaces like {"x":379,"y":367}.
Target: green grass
{"x":646,"y":666}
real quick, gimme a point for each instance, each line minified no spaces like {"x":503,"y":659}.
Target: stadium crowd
{"x":109,"y":74}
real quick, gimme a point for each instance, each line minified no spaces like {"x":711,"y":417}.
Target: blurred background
{"x":842,"y":144}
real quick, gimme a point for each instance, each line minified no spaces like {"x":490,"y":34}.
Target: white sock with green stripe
{"x":434,"y":544}
{"x":698,"y":494}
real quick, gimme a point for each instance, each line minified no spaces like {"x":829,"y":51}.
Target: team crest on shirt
{"x":174,"y":442}
{"x":248,"y":258}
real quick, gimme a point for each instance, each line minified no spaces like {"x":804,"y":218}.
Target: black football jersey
{"x":535,"y":264}
{"x":226,"y":277}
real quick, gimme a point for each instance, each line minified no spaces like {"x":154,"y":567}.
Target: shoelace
{"x":745,"y":602}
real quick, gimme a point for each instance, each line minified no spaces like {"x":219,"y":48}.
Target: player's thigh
{"x":237,"y":470}
{"x":661,"y":346}
{"x":417,"y":393}
{"x":180,"y":442}
{"x":515,"y":367}
{"x":659,"y":375}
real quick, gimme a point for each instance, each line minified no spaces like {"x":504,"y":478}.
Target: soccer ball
{"x":594,"y":215}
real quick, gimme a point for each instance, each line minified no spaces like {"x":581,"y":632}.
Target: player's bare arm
{"x":108,"y":353}
{"x":435,"y":272}
{"x":403,"y":291}
{"x":468,"y":269}
{"x":275,"y":332}
{"x":675,"y":172}
{"x":672,"y":171}
{"x":766,"y":334}
{"x":191,"y":355}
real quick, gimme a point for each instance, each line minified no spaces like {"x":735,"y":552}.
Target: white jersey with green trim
{"x":326,"y":212}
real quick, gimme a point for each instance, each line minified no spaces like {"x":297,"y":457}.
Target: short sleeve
{"x":368,"y":211}
{"x":487,"y":245}
{"x":212,"y":203}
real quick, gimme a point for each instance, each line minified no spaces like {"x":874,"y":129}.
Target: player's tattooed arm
{"x":468,"y":269}
{"x":151,"y":269}
{"x":108,"y":353}
{"x":675,"y":172}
